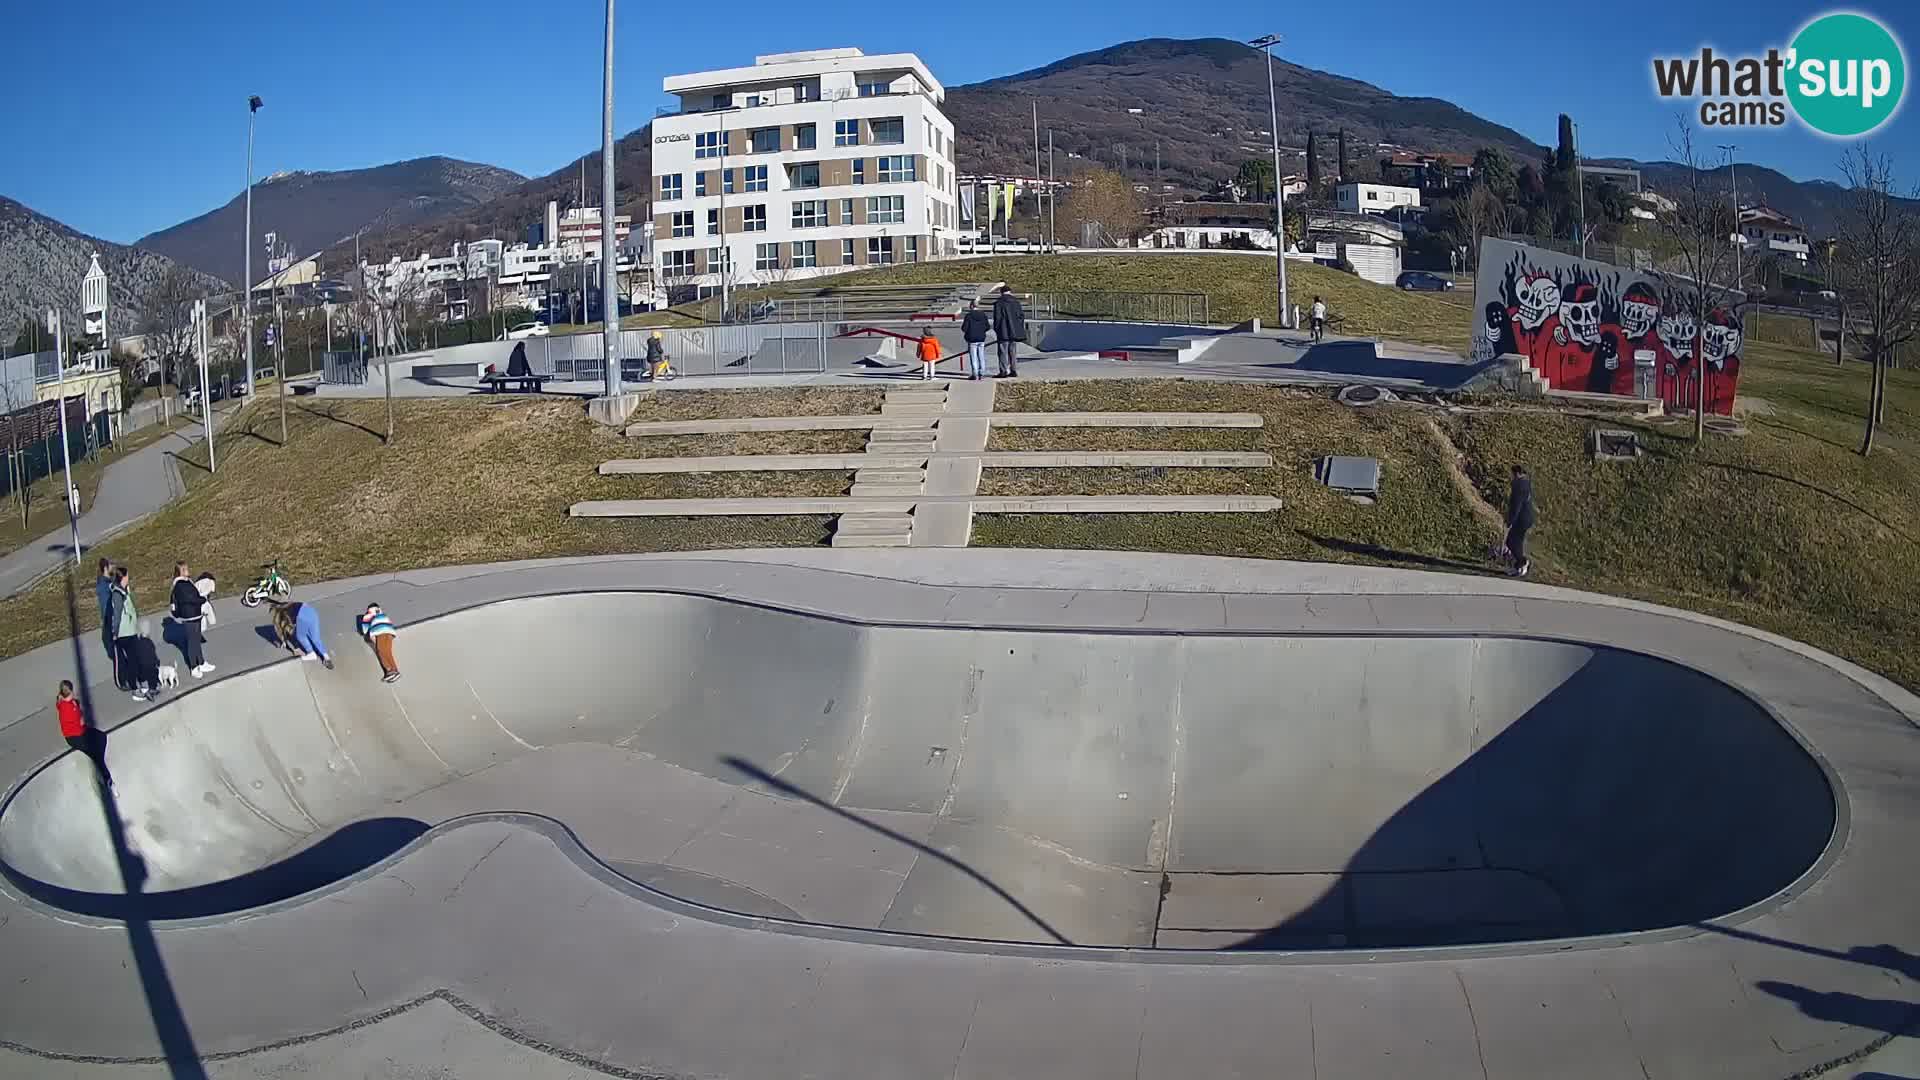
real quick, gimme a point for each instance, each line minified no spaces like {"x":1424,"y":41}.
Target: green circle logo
{"x":1847,"y":76}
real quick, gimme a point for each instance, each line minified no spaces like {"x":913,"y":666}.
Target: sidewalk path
{"x":133,"y":487}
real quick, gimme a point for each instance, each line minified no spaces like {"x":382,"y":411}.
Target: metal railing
{"x":343,"y":368}
{"x":1147,"y":307}
{"x":735,"y":349}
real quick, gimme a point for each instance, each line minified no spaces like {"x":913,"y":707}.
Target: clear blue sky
{"x":160,"y":135}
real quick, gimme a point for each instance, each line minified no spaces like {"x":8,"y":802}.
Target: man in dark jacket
{"x":1520,"y":515}
{"x":1010,"y":326}
{"x":974,"y":328}
{"x":188,"y":611}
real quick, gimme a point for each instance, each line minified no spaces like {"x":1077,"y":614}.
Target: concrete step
{"x":929,"y":410}
{"x":890,"y":476}
{"x":875,"y":540}
{"x":885,"y":491}
{"x":887,"y":440}
{"x":874,"y":524}
{"x":935,"y":392}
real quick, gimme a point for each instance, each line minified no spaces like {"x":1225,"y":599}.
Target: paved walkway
{"x":496,"y":942}
{"x":132,"y":487}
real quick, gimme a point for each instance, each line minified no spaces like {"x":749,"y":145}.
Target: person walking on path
{"x":1520,"y":518}
{"x":81,"y":735}
{"x":974,"y":328}
{"x":133,"y":649}
{"x":378,"y":629}
{"x":929,"y":353}
{"x":189,"y":610}
{"x":1318,"y":313}
{"x":1010,"y":326}
{"x":306,"y":632}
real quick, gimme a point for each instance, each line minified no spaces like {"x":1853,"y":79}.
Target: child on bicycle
{"x":1318,"y":315}
{"x":657,"y":365}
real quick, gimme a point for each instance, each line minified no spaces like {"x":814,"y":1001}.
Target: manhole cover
{"x":1364,"y":395}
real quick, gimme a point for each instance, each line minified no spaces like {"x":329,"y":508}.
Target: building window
{"x":676,"y":263}
{"x":756,"y":177}
{"x":889,"y":129}
{"x":811,"y":214}
{"x":719,"y":260}
{"x":669,"y":187}
{"x":846,"y":133}
{"x":846,"y":211}
{"x":887,"y":210}
{"x":707,"y":144}
{"x":699,"y":185}
{"x":753,"y":101}
{"x":766,"y":140}
{"x":722,"y":101}
{"x":879,"y":249}
{"x":726,"y":181}
{"x":803,"y":137}
{"x":713,"y":222}
{"x":753,"y":219}
{"x":766,"y":256}
{"x":913,"y":249}
{"x":895,"y":170}
{"x":859,"y":170}
{"x":804,"y":254}
{"x":846,"y":252}
{"x":804,"y":176}
{"x":683,"y":223}
{"x":875,"y":89}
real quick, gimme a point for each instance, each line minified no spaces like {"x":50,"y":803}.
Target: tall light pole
{"x":1580,"y":186}
{"x":1739,"y":241}
{"x":66,"y":459}
{"x":1265,"y":43}
{"x":609,"y":274}
{"x":246,"y":286}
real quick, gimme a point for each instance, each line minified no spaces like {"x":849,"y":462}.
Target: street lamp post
{"x":609,"y":273}
{"x":1739,"y":277}
{"x":246,"y":285}
{"x":1265,"y":43}
{"x":66,"y":454}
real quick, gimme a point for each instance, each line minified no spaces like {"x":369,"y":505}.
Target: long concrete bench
{"x":1037,"y":504}
{"x":879,"y":422}
{"x":993,"y":459}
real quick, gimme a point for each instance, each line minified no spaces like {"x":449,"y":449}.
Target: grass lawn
{"x":45,"y":512}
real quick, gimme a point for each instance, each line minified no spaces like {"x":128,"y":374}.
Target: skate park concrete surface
{"x":969,"y":813}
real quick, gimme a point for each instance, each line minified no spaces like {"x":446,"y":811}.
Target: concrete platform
{"x":903,"y":503}
{"x":992,"y":459}
{"x":890,"y":422}
{"x":883,"y":814}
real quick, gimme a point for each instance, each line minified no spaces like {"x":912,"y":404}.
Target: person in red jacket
{"x":79,"y":734}
{"x":929,"y":353}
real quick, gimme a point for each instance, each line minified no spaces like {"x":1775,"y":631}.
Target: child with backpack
{"x":929,"y":353}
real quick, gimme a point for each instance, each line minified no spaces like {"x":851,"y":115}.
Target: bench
{"x":523,"y":384}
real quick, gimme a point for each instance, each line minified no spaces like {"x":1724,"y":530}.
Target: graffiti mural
{"x":1585,"y":325}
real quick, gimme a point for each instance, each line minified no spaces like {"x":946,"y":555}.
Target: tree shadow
{"x":1884,"y":1015}
{"x":784,"y":787}
{"x":1385,"y":554}
{"x":1818,"y":490}
{"x":1790,"y":429}
{"x":329,"y":414}
{"x":163,"y":1003}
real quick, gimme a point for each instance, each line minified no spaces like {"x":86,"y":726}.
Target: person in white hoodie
{"x":189,"y":609}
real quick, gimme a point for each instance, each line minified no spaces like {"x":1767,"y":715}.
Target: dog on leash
{"x":169,"y":676}
{"x":283,"y":626}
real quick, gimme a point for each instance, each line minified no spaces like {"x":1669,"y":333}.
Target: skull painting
{"x":1639,"y":310}
{"x":1721,"y":337}
{"x":1580,"y":314}
{"x":1539,"y":298}
{"x":1676,"y":330}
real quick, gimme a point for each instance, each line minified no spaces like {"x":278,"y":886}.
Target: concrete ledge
{"x":445,"y":371}
{"x":773,"y":423}
{"x":1128,"y":419}
{"x":1042,"y":504}
{"x":895,"y":422}
{"x":886,"y":459}
{"x":1143,"y":459}
{"x":1128,"y":504}
{"x":758,"y":463}
{"x":736,"y":507}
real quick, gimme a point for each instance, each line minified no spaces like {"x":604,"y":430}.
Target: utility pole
{"x":206,"y":400}
{"x":609,"y":281}
{"x":66,"y":458}
{"x":726,"y":262}
{"x":1265,"y":43}
{"x":1038,"y":221}
{"x":1580,"y":185}
{"x":1053,"y":199}
{"x":1739,"y":241}
{"x":246,"y":286}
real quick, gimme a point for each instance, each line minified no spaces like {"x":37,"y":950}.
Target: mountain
{"x":1204,"y":104}
{"x":507,"y":215}
{"x":312,"y":210}
{"x":1815,"y":204}
{"x":42,"y":262}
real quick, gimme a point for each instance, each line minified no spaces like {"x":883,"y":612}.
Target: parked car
{"x":526,"y":330}
{"x":1421,"y":281}
{"x":190,"y":398}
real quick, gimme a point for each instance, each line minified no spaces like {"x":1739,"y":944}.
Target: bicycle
{"x":272,"y":586}
{"x":1319,"y":330}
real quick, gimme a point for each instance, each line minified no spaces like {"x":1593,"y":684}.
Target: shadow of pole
{"x":169,"y":1021}
{"x":772,"y":781}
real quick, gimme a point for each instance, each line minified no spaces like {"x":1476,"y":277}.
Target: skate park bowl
{"x":1146,"y":790}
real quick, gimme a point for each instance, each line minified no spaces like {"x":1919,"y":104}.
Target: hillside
{"x":1205,"y":103}
{"x":1815,"y":204}
{"x":42,"y":262}
{"x":313,"y":210}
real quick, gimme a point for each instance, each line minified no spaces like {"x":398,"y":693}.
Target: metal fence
{"x":1147,"y":307}
{"x":1617,"y":254}
{"x":343,"y":368}
{"x":751,"y":349}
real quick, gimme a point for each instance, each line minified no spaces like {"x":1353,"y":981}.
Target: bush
{"x":1346,"y":267}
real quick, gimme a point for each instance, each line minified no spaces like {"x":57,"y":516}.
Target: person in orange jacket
{"x":929,"y":353}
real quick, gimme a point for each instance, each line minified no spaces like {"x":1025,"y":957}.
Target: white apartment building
{"x":1374,"y":198}
{"x":806,"y":163}
{"x":1764,"y":229}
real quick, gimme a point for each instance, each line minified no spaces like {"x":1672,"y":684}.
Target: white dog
{"x":169,"y":676}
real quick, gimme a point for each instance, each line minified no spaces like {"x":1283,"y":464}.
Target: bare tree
{"x":1479,"y":212}
{"x":1877,"y":271}
{"x":15,"y":397}
{"x":1105,"y":199}
{"x":1701,"y":228}
{"x":167,"y":322}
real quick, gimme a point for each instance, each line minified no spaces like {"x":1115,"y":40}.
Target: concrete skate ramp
{"x":1099,"y":789}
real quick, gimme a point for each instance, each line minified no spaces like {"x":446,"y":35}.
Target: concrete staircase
{"x":920,"y":405}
